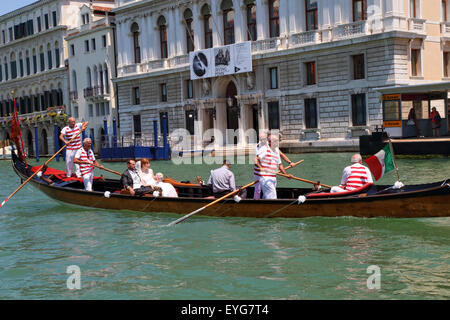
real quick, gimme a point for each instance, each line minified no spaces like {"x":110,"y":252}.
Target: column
{"x":198,"y":35}
{"x":171,"y":34}
{"x":240,"y":26}
{"x":295,"y":16}
{"x":143,"y":27}
{"x":119,"y":31}
{"x":180,"y":30}
{"x":217,"y":25}
{"x":151,"y":35}
{"x":262,"y":19}
{"x":284,"y":17}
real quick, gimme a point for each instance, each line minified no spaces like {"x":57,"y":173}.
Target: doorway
{"x":232,"y":109}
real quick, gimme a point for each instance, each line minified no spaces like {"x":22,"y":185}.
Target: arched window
{"x":189,"y":31}
{"x":207,"y":26}
{"x":251,"y":19}
{"x":136,"y":42}
{"x":13,"y":65}
{"x":228,"y":21}
{"x":89,"y":78}
{"x":42,"y":58}
{"x":21,"y":70}
{"x":163,"y":36}
{"x":57,"y":57}
{"x":74,"y":81}
{"x":274,"y":18}
{"x":49,"y":55}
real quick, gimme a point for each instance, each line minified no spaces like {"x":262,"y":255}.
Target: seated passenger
{"x":131,"y":181}
{"x":354,"y":176}
{"x":146,"y":174}
{"x":222,"y":180}
{"x":167,"y":189}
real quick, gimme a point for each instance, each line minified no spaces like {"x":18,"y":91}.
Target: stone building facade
{"x":33,"y":55}
{"x":318,"y":65}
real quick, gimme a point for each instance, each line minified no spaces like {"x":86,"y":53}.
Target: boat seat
{"x":339,"y":194}
{"x":210,"y":197}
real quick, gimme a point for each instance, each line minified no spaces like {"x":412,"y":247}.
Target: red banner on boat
{"x":16,"y":135}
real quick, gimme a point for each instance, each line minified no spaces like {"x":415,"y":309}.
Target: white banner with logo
{"x":221,"y":61}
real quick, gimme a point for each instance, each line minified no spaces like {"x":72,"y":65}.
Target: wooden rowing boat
{"x":412,"y":201}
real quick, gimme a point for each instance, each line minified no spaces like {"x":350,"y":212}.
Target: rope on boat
{"x":276,"y":211}
{"x":445,"y":184}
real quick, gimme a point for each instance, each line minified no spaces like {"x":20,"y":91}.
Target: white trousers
{"x":269,"y":187}
{"x":337,"y":189}
{"x":257,"y":193}
{"x":87,"y":180}
{"x":70,"y":155}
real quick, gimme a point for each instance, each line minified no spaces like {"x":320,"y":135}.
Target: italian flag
{"x":381,"y":162}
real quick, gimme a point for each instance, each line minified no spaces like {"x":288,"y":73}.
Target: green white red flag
{"x":381,"y":163}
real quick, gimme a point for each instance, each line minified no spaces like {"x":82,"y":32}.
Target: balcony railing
{"x":265,"y":45}
{"x":416,"y":25}
{"x":350,"y":30}
{"x":178,"y":61}
{"x":305,"y":38}
{"x":51,"y":114}
{"x":445,"y":29}
{"x":88,"y":92}
{"x":73,"y":95}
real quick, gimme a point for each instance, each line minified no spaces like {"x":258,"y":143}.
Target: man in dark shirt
{"x":131,"y":181}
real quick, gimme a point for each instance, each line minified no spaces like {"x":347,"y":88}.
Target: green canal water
{"x":129,"y":255}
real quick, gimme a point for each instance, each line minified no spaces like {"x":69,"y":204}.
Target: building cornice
{"x":32,"y":37}
{"x":26,"y":9}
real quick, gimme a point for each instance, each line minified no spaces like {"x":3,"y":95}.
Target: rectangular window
{"x":228,"y":26}
{"x":57,"y":58}
{"x":137,"y":126}
{"x":21,"y":67}
{"x":162,"y":116}
{"x":163,"y":88}
{"x":444,"y":10}
{"x":39,"y":24}
{"x":1,"y":73}
{"x":415,"y":62}
{"x":86,"y":45}
{"x":72,"y":50}
{"x":310,"y":113}
{"x":273,"y":78}
{"x":208,"y":31}
{"x":47,"y":26}
{"x":30,"y":27}
{"x":136,"y":95}
{"x":358,"y":66}
{"x":93,"y":44}
{"x":28,"y":66}
{"x":447,"y":64}
{"x":42,"y":56}
{"x":413,"y":8}
{"x":311,"y":15}
{"x":13,"y":69}
{"x":274,"y":18}
{"x":189,"y":89}
{"x":97,"y":109}
{"x":50,"y":62}
{"x":310,"y":73}
{"x":359,"y":10}
{"x":251,"y":22}
{"x":3,"y":36}
{"x":11,"y":36}
{"x":359,"y":109}
{"x":104,"y":41}
{"x":55,"y":20}
{"x":6,"y":72}
{"x":35,"y":65}
{"x":274,"y":115}
{"x":91,"y":110}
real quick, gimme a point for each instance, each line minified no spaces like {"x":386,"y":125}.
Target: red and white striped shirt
{"x":72,"y":132}
{"x":355,"y":176}
{"x":85,"y":156}
{"x":270,"y":160}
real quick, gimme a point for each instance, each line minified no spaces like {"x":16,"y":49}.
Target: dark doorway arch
{"x":232,"y":108}
{"x":30,"y":144}
{"x":44,"y":145}
{"x":102,"y":138}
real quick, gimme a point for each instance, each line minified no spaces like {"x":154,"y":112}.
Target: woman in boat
{"x":145,"y":173}
{"x":167,"y":189}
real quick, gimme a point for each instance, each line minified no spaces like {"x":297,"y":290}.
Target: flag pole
{"x":393,"y":157}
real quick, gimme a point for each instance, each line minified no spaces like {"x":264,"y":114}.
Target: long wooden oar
{"x":31,"y":177}
{"x":304,"y":180}
{"x":106,"y":169}
{"x":222,"y":198}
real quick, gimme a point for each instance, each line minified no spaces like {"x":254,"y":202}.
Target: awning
{"x":417,"y":88}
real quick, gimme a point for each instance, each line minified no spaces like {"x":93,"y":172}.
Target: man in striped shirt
{"x":268,"y":162}
{"x":69,"y":132}
{"x":85,"y":158}
{"x":354,"y":176}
